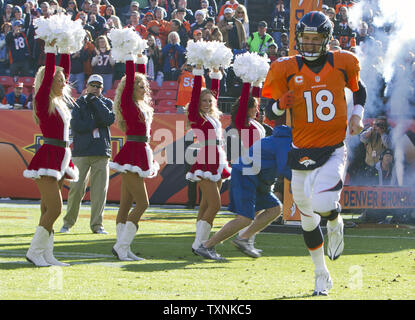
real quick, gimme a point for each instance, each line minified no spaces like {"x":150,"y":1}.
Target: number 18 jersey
{"x":319,"y":114}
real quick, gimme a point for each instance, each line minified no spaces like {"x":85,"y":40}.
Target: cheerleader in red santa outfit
{"x":52,"y":162}
{"x":132,"y":105}
{"x":251,"y":68}
{"x":211,"y":166}
{"x":245,"y":112}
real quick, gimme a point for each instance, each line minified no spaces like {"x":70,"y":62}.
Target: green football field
{"x":378,"y":263}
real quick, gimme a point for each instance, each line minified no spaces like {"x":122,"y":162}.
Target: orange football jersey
{"x":184,"y":93}
{"x":319,"y":114}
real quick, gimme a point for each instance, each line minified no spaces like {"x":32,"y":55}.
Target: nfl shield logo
{"x":317,"y":79}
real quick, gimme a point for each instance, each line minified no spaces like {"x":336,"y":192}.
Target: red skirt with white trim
{"x":52,"y":161}
{"x":136,"y":157}
{"x":211,"y":164}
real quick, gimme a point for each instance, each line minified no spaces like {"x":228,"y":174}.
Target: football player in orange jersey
{"x":312,"y":85}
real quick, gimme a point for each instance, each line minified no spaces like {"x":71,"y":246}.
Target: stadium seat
{"x":170,"y":85}
{"x":166,"y":104}
{"x":110,"y":94}
{"x":166,"y":110}
{"x":6,"y":82}
{"x":154,"y":93}
{"x":166,"y":95}
{"x":27,"y":81}
{"x":154,"y":85}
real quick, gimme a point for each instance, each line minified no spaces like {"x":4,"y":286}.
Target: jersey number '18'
{"x":324,"y":100}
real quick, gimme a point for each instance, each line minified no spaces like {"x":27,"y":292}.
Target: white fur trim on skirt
{"x":65,"y":169}
{"x":153,"y":166}
{"x":199,"y":174}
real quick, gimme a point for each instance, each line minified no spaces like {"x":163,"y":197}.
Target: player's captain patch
{"x":298,"y":79}
{"x":306,"y":161}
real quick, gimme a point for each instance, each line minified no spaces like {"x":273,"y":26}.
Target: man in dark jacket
{"x":92,"y":117}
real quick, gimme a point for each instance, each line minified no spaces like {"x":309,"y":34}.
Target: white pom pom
{"x":68,"y":34}
{"x":219,"y":55}
{"x":242,"y":67}
{"x":251,"y":67}
{"x":262,"y":66}
{"x":126,"y":42}
{"x":196,"y":52}
{"x":44,"y":29}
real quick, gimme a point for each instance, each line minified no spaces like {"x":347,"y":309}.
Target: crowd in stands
{"x":168,"y":25}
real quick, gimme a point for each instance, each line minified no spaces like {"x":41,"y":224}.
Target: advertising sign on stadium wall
{"x":355,"y":197}
{"x":360,"y":197}
{"x":20,"y":137}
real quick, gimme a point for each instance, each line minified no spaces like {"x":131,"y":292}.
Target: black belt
{"x":137,"y":138}
{"x":56,"y":142}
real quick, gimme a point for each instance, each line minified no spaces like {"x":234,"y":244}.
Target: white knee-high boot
{"x":120,"y":227}
{"x":48,"y":255}
{"x":37,"y":248}
{"x":121,"y":247}
{"x":203,"y":229}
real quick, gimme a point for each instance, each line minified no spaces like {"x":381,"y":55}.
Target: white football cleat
{"x":323,"y":283}
{"x":335,"y":245}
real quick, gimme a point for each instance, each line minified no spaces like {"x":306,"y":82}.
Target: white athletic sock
{"x":205,"y":230}
{"x":243,"y":230}
{"x":309,"y":222}
{"x":318,"y":259}
{"x":202,"y":233}
{"x":333,"y":223}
